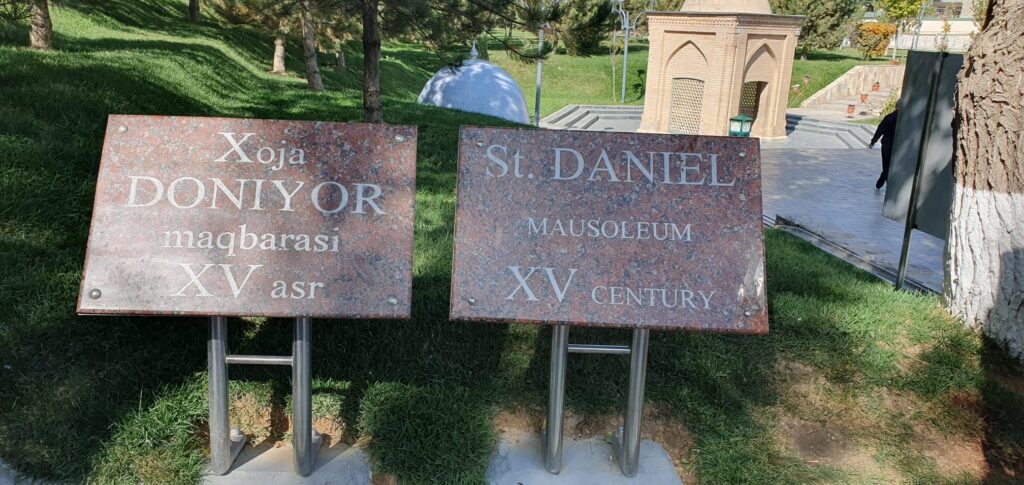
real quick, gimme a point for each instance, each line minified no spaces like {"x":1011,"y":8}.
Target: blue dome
{"x":478,"y":87}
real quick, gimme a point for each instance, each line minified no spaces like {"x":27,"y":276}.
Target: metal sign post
{"x":922,"y":155}
{"x":226,"y":443}
{"x":150,"y":257}
{"x":530,"y":256}
{"x":627,"y":439}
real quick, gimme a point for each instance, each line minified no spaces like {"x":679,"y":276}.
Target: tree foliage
{"x":37,"y":12}
{"x":12,"y":11}
{"x":826,"y":22}
{"x":873,"y":38}
{"x":980,"y":11}
{"x":585,"y":24}
{"x":271,"y":16}
{"x":901,"y":12}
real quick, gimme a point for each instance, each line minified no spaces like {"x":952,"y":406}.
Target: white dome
{"x":728,"y":6}
{"x":479,"y":87}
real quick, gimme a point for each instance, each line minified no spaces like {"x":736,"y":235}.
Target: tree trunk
{"x":279,"y":43}
{"x":309,"y":49}
{"x":41,"y":34}
{"x":371,"y":63}
{"x":340,"y":65}
{"x":985,"y":279}
{"x":193,"y":10}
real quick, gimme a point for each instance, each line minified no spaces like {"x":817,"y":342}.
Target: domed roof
{"x":477,"y":86}
{"x":727,"y":6}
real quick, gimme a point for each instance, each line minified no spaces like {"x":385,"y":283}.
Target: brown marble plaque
{"x":609,"y":229}
{"x":219,"y":216}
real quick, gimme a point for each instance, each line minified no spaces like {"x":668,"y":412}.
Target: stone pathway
{"x":832,"y":193}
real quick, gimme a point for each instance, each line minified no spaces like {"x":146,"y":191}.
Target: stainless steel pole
{"x":302,"y":399}
{"x":625,"y":59}
{"x":556,"y":398}
{"x":629,"y":451}
{"x":536,"y":104}
{"x":220,"y":438}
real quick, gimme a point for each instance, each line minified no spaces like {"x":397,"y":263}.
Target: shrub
{"x":890,"y":104}
{"x":873,"y":38}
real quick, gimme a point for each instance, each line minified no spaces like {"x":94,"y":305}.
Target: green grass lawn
{"x":589,"y":79}
{"x":578,"y":80}
{"x":854,"y":384}
{"x":823,"y":67}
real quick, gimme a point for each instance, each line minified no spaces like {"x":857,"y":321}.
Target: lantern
{"x":740,"y":125}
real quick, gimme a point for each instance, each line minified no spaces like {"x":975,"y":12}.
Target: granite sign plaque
{"x":609,"y":229}
{"x":218,"y":216}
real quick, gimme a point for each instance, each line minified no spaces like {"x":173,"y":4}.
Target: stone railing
{"x":857,"y":80}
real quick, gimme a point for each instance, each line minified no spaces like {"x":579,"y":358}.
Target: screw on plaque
{"x":122,"y":128}
{"x":479,"y":143}
{"x":392,"y":300}
{"x":399,"y":138}
{"x":95,"y":293}
{"x":747,"y":313}
{"x":743,"y":154}
{"x":471,"y":300}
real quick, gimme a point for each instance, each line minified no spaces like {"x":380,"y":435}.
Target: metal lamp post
{"x":740,"y":125}
{"x":540,"y":72}
{"x":627,"y":26}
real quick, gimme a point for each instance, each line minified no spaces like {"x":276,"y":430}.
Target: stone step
{"x":574,"y":114}
{"x":862,"y":133}
{"x":581,"y":117}
{"x":559,"y":115}
{"x":851,"y":135}
{"x":804,"y":120}
{"x":846,"y":140}
{"x":857,"y":128}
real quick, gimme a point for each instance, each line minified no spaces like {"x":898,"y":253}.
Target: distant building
{"x":944,"y":26}
{"x":715,"y":59}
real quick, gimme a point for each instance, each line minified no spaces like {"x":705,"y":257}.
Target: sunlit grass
{"x":123,"y":400}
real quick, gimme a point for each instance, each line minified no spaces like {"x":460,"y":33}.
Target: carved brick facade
{"x":719,"y":52}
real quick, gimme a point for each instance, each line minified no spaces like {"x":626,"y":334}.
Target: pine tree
{"x":37,"y":12}
{"x":904,"y":14}
{"x":826,"y":22}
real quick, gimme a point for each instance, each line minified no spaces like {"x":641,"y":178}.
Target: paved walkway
{"x":832,"y":193}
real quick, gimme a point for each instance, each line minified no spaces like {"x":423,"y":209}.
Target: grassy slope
{"x":123,"y":399}
{"x":577,"y":80}
{"x":588,"y":80}
{"x":823,"y":67}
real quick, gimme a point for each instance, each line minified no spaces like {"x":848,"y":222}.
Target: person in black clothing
{"x":887,"y":132}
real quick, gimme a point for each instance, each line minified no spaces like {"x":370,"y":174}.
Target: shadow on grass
{"x":828,"y":56}
{"x":1003,"y":389}
{"x":122,"y":399}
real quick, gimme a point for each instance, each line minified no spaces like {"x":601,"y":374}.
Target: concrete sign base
{"x":519,"y":460}
{"x":339,"y":464}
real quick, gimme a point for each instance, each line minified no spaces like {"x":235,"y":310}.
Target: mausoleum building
{"x":716,"y":59}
